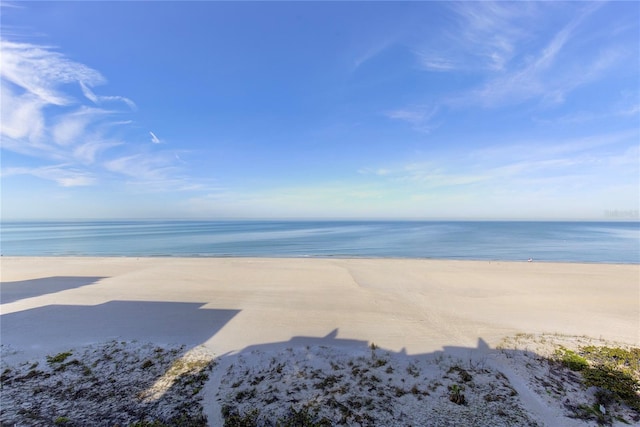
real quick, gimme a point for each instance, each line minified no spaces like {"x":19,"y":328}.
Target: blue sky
{"x":427,"y":110}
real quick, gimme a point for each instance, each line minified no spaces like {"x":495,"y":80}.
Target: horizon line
{"x":327,"y":219}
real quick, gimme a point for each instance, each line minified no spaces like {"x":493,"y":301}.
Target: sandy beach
{"x":235,"y":306}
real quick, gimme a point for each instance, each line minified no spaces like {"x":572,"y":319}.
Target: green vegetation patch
{"x":58,"y":358}
{"x":614,"y":371}
{"x":571,"y":359}
{"x":620,"y":358}
{"x":233,"y":418}
{"x":622,"y":386}
{"x":303,"y":418}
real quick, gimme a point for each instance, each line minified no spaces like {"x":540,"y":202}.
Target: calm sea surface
{"x":609,"y":242}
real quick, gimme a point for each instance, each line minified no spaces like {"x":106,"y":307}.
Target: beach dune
{"x":306,"y":324}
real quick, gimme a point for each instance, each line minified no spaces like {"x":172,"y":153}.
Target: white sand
{"x":229,"y":304}
{"x":232,"y":305}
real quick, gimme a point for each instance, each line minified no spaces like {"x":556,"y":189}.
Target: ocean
{"x":598,"y":242}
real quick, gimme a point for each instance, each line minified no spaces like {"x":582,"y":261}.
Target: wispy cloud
{"x":541,"y":79}
{"x":484,"y":35}
{"x":154,"y":138}
{"x":96,"y":99}
{"x":34,"y":79}
{"x":145,"y":167}
{"x":154,"y":172}
{"x":40,"y":71}
{"x":419,"y":117}
{"x":69,"y":129}
{"x":335,"y":199}
{"x":64,"y":174}
{"x":434,"y":61}
{"x":42,"y":118}
{"x":371,"y":52}
{"x":378,"y":171}
{"x":86,"y":153}
{"x":11,"y":5}
{"x":578,"y":117}
{"x":530,"y":148}
{"x":428,"y":174}
{"x":502,"y":45}
{"x":22,"y":115}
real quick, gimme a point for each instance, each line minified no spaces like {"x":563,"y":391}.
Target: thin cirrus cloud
{"x":436,"y":62}
{"x":542,"y":77}
{"x":419,"y":117}
{"x":143,"y":166}
{"x":95,"y":145}
{"x":484,"y":37}
{"x":65,"y":175}
{"x":370,"y":53}
{"x":68,"y":129}
{"x":624,"y":111}
{"x":490,"y":42}
{"x":40,"y":71}
{"x":22,"y":118}
{"x":100,"y":99}
{"x":44,"y":119}
{"x":152,"y":171}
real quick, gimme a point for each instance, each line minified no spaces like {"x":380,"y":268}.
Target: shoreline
{"x":319,"y":257}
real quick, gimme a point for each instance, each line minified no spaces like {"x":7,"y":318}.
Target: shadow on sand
{"x":72,"y":325}
{"x":15,"y":291}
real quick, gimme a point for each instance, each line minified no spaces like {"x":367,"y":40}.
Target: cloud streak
{"x":96,"y":99}
{"x":64,"y":175}
{"x":154,"y":138}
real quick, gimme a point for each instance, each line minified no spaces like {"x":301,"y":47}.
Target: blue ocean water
{"x":603,"y":242}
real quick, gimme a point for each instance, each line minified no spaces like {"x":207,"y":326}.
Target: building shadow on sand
{"x":71,"y":325}
{"x":21,"y":289}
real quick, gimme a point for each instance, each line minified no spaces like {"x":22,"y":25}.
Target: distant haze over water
{"x":607,"y":242}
